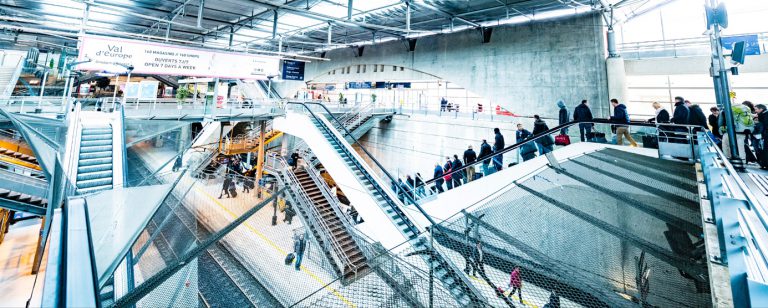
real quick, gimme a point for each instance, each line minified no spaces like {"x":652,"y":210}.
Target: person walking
{"x":485,"y":153}
{"x":515,"y":284}
{"x":562,"y":116}
{"x":289,"y":212}
{"x":225,"y":187}
{"x":177,"y":164}
{"x":697,"y":118}
{"x":762,"y":118}
{"x":554,"y":301}
{"x":438,"y":176}
{"x":410,"y":185}
{"x":583,"y":113}
{"x":478,"y":257}
{"x":620,"y":116}
{"x":455,"y":166}
{"x":443,"y":104}
{"x":447,"y":168}
{"x":662,"y":115}
{"x":294,"y":160}
{"x":470,"y":157}
{"x":299,"y":245}
{"x":498,"y":146}
{"x":681,"y":113}
{"x":712,"y":121}
{"x":544,"y":143}
{"x":420,"y":191}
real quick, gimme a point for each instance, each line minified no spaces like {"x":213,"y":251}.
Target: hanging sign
{"x":293,"y":70}
{"x":111,"y":54}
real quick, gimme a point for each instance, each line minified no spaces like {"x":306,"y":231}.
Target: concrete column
{"x":184,"y":135}
{"x":617,"y":79}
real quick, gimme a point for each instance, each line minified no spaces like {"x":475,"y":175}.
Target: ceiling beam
{"x":439,"y":11}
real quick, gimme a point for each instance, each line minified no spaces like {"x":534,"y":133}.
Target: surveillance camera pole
{"x":719,"y":74}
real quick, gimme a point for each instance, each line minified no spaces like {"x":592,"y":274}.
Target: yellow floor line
{"x":268,"y":241}
{"x":525,"y":302}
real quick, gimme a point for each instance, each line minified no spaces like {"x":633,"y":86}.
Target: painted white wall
{"x":377,"y":224}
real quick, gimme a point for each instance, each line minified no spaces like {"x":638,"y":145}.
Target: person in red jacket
{"x":515,"y":284}
{"x":446,"y":170}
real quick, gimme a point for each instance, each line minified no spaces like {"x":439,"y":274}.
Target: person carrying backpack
{"x":620,"y":116}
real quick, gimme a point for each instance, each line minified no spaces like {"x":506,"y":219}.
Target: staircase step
{"x":82,"y":176}
{"x":90,"y":143}
{"x":97,"y":131}
{"x":95,"y":161}
{"x":93,"y":189}
{"x":94,"y":182}
{"x":91,"y":155}
{"x":97,"y":148}
{"x":96,"y":137}
{"x":95,"y":168}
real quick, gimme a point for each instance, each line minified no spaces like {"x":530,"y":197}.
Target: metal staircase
{"x":94,"y":165}
{"x":338,"y":230}
{"x":451,"y":278}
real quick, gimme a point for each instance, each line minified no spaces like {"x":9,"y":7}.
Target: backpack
{"x":742,"y":118}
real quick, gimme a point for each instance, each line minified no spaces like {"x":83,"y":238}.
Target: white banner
{"x":107,"y":53}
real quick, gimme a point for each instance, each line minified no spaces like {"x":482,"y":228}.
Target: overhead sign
{"x":359,"y":85}
{"x":113,"y":54}
{"x":751,"y":48}
{"x":293,"y":70}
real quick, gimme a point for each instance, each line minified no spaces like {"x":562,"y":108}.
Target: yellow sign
{"x":732,"y":94}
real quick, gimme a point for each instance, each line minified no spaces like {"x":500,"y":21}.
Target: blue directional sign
{"x":752,"y":47}
{"x":293,"y":70}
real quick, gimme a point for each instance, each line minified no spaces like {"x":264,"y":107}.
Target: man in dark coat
{"x":681,"y":113}
{"x":562,"y":116}
{"x":498,"y":146}
{"x":469,"y":158}
{"x":583,"y":113}
{"x":762,"y":117}
{"x":620,"y":116}
{"x":485,"y":153}
{"x":697,"y":117}
{"x":438,"y":175}
{"x":456,"y":165}
{"x":712,"y":120}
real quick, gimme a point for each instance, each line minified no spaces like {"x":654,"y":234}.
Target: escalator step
{"x":82,"y":176}
{"x":96,"y":137}
{"x":90,"y":143}
{"x":93,"y":189}
{"x":91,"y":155}
{"x":87,"y":131}
{"x":95,"y":161}
{"x":94,"y":182}
{"x":94,"y":168}
{"x":98,"y":148}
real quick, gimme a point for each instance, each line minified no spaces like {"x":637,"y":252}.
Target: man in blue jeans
{"x":583,"y":113}
{"x":299,"y":244}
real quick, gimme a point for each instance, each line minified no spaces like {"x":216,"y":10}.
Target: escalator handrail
{"x":551,"y":131}
{"x":398,"y":211}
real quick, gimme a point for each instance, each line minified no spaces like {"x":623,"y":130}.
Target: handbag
{"x":547,"y":140}
{"x":562,"y":140}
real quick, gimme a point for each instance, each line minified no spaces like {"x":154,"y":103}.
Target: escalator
{"x":23,"y":192}
{"x":451,"y":278}
{"x":95,"y":162}
{"x":265,"y":87}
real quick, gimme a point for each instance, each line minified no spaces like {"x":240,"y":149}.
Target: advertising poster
{"x":148,"y":89}
{"x":131,"y":90}
{"x":112,"y":54}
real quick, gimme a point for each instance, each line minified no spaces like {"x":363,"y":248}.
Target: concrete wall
{"x":524,"y":68}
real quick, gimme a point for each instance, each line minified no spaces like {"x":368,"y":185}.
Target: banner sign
{"x":751,"y":48}
{"x":108,"y":54}
{"x":293,"y":70}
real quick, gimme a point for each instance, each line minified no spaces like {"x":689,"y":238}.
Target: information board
{"x":751,"y":48}
{"x":360,"y":85}
{"x":131,"y":90}
{"x":106,"y":53}
{"x":148,"y":89}
{"x":293,"y":70}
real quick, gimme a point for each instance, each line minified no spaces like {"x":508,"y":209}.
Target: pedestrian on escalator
{"x":698,"y":118}
{"x":761,"y":135}
{"x":438,"y":176}
{"x":177,"y":164}
{"x":408,"y":189}
{"x":457,"y":176}
{"x":228,"y":182}
{"x":498,"y":146}
{"x":420,"y":191}
{"x":399,"y":188}
{"x":299,"y":245}
{"x":470,"y":157}
{"x":515,"y":284}
{"x":544,"y":143}
{"x":294,"y":160}
{"x":562,"y":116}
{"x":584,"y":114}
{"x":447,"y":168}
{"x":485,"y":153}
